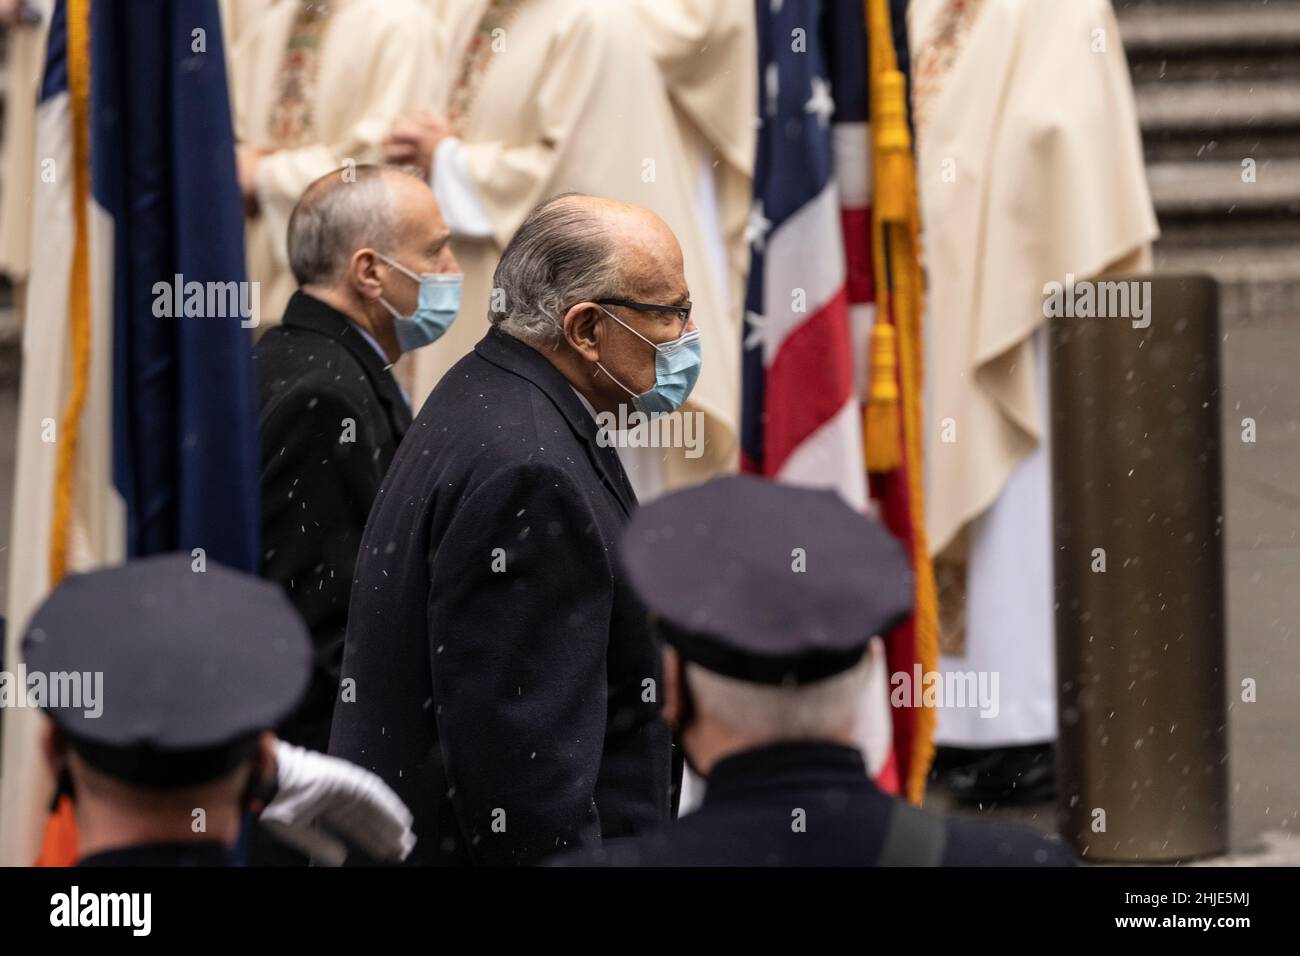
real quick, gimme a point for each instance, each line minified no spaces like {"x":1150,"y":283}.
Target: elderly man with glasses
{"x":498,"y":671}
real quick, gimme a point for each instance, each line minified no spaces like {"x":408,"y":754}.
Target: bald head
{"x":359,"y":240}
{"x":349,"y":209}
{"x":575,"y":248}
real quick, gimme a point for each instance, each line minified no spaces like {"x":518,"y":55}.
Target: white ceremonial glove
{"x":322,"y":798}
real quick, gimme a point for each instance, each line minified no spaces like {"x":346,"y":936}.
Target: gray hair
{"x":813,"y":711}
{"x":562,"y":254}
{"x":343,"y":211}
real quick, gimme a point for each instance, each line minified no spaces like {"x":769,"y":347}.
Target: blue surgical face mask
{"x":677,"y":366}
{"x":435,"y":309}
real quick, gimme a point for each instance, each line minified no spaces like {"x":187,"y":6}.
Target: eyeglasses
{"x":683,"y":311}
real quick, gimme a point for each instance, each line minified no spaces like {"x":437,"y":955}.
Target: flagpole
{"x":900,"y":291}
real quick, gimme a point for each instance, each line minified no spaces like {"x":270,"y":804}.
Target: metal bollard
{"x":1140,"y":616}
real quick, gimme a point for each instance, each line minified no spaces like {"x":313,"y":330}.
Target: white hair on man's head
{"x":343,"y":211}
{"x":773,"y":713}
{"x":562,"y":254}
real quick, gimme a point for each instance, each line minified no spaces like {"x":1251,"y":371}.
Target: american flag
{"x":800,"y":409}
{"x":812,"y":209}
{"x":810,"y":300}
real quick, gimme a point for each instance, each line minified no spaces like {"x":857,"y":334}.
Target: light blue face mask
{"x":677,"y":367}
{"x":435,"y":309}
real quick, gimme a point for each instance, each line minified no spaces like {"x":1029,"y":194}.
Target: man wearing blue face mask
{"x":507,"y":684}
{"x":368,"y":248}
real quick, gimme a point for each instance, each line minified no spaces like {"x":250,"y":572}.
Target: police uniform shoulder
{"x":980,"y":843}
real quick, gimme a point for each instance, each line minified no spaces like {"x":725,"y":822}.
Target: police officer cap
{"x":766,"y":582}
{"x":194,"y":665}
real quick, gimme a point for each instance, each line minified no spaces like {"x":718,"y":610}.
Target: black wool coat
{"x":506,"y":683}
{"x":332,"y":416}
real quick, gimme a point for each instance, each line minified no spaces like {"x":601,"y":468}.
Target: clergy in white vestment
{"x":543,"y":97}
{"x":316,"y":85}
{"x":237,"y":19}
{"x":238,"y":16}
{"x":19,"y":173}
{"x":707,"y":51}
{"x":1030,"y":169}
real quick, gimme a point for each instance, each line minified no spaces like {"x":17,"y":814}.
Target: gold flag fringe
{"x":900,"y":284}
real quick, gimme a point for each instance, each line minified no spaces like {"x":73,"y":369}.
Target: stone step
{"x":1204,"y":107}
{"x":1204,"y":206}
{"x":1185,"y":29}
{"x":1229,"y":231}
{"x":1157,"y":66}
{"x":1212,"y":71}
{"x":1215,"y":188}
{"x":1216,"y":83}
{"x":1170,"y":146}
{"x":1221,"y":75}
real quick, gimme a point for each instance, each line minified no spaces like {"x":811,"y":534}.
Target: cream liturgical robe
{"x":565,"y":97}
{"x":19,"y":172}
{"x":707,"y":51}
{"x":238,"y":17}
{"x":1029,"y":168}
{"x":370,"y":62}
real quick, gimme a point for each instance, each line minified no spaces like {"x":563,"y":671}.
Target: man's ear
{"x":672,"y":692}
{"x":582,"y":330}
{"x":363,"y":274}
